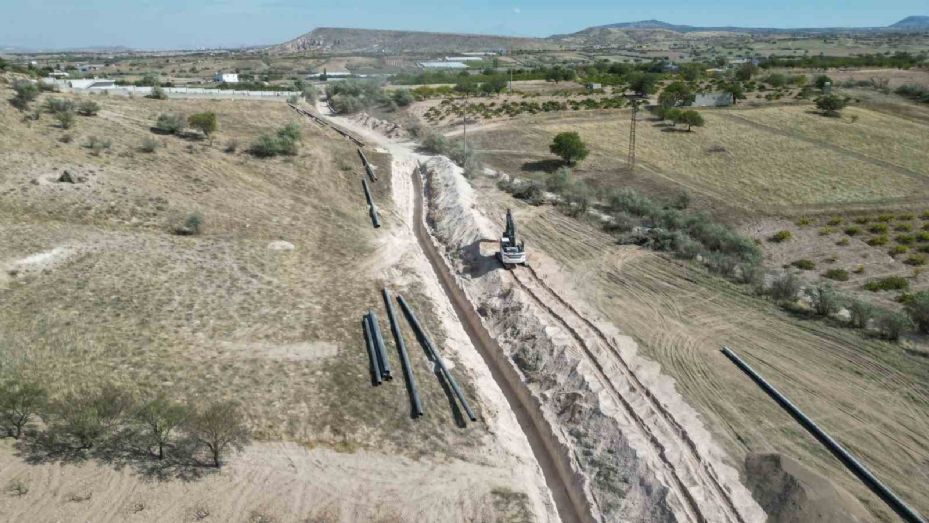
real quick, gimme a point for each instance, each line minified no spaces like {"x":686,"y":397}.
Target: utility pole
{"x":464,"y":125}
{"x":630,"y":161}
{"x":511,"y":80}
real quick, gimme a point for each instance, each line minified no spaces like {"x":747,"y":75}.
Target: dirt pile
{"x":389,"y":129}
{"x":790,"y":492}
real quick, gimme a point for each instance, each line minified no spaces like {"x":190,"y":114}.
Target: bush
{"x":88,"y":108}
{"x":831,"y":104}
{"x":784,"y":287}
{"x":890,"y":283}
{"x":204,"y":122}
{"x":149,"y":145}
{"x":58,"y":105}
{"x":26,"y":92}
{"x":878,"y":241}
{"x":559,"y":180}
{"x":219,"y":427}
{"x":824,"y":300}
{"x":804,"y":264}
{"x":916,"y":260}
{"x":878,"y":228}
{"x":836,"y":274}
{"x":20,"y":402}
{"x":284,"y":142}
{"x":529,"y":191}
{"x":157,"y":93}
{"x":66,"y":119}
{"x":854,"y":230}
{"x":434,"y":143}
{"x":159,"y":418}
{"x":898,"y":249}
{"x":90,"y":415}
{"x":780,"y":236}
{"x":193,"y":224}
{"x":97,"y":145}
{"x":892,"y":324}
{"x":570,"y":147}
{"x":860,"y":313}
{"x":170,"y":123}
{"x":917,"y":307}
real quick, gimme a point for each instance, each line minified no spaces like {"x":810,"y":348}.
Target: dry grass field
{"x":870,"y":395}
{"x":774,"y":160}
{"x":96,"y":287}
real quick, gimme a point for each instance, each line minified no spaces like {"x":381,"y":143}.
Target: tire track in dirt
{"x":583,"y":333}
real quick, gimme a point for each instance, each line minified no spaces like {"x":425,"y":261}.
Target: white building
{"x":227,"y":78}
{"x":331,"y":74}
{"x":442,"y":65}
{"x":713,"y":99}
{"x":91,"y":83}
{"x":463,"y":58}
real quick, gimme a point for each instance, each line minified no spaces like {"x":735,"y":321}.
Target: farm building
{"x":713,"y":99}
{"x":438,"y":64}
{"x":228,"y":78}
{"x":462,"y":58}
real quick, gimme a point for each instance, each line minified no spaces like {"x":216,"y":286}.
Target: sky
{"x":189,"y":24}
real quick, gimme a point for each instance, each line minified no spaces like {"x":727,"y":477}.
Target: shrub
{"x":854,"y":230}
{"x":435,"y":143}
{"x":20,"y":402}
{"x":530,"y":191}
{"x":66,"y":119}
{"x":905,"y":239}
{"x":804,"y":264}
{"x":570,"y":147}
{"x":892,"y":324}
{"x":193,"y":224}
{"x":97,"y":145}
{"x":831,"y":104}
{"x":283,"y":142}
{"x":88,"y":416}
{"x":824,"y":300}
{"x":88,"y":108}
{"x":878,"y":241}
{"x":916,"y":259}
{"x":922,"y":236}
{"x":890,"y":283}
{"x":918,"y":309}
{"x":26,"y":92}
{"x":784,"y":287}
{"x":157,"y":93}
{"x":836,"y":274}
{"x":885,"y":217}
{"x":58,"y":105}
{"x":219,"y":427}
{"x":780,"y":236}
{"x":898,"y":249}
{"x":878,"y":228}
{"x":842,"y":243}
{"x":149,"y":145}
{"x":835,"y":221}
{"x":903,"y":227}
{"x":826,"y":231}
{"x":204,"y":122}
{"x":860,"y":313}
{"x":170,"y":123}
{"x":559,"y":180}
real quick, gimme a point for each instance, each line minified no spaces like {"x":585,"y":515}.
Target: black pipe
{"x":372,"y":355}
{"x":424,"y":339}
{"x":417,"y":405}
{"x":379,"y":345}
{"x":372,"y":208}
{"x":367,"y":165}
{"x":851,"y":463}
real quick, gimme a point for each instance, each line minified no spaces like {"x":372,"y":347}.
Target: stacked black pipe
{"x":417,"y":406}
{"x":364,"y":161}
{"x":377,"y":354}
{"x":434,"y":355}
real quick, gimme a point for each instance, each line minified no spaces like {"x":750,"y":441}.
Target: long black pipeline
{"x":404,"y":357}
{"x":374,"y":218}
{"x":851,"y":463}
{"x":379,"y":345}
{"x":364,"y":161}
{"x":424,"y":339}
{"x":372,"y":355}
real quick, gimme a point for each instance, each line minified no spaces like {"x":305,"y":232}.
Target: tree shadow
{"x":548,"y":165}
{"x":477,"y":264}
{"x":673,"y":129}
{"x":125,"y":449}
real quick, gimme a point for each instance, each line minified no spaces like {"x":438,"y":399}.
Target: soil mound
{"x":790,"y":492}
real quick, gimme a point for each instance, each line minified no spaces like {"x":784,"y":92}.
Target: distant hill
{"x":912,"y":22}
{"x":335,"y":39}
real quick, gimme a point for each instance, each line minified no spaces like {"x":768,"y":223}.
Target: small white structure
{"x":437,"y":64}
{"x":91,"y":83}
{"x":226,"y":78}
{"x":712,"y":99}
{"x":594,"y":86}
{"x":332,"y":74}
{"x":58,"y":74}
{"x":462,"y":58}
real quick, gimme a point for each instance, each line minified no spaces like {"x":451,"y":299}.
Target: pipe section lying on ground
{"x":379,"y":345}
{"x":371,"y":207}
{"x":372,"y":354}
{"x":851,"y":463}
{"x":417,"y":406}
{"x":430,"y":348}
{"x":367,"y":165}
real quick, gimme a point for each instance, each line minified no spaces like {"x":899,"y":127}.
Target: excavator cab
{"x":512,"y":251}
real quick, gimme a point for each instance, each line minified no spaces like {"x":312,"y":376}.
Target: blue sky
{"x":149,"y":24}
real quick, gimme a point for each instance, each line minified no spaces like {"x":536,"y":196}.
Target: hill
{"x":912,"y":22}
{"x":335,"y":39}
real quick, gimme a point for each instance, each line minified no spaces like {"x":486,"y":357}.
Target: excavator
{"x":512,"y":251}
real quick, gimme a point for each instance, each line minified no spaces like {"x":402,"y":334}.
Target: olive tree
{"x":218,"y":426}
{"x":569,"y":146}
{"x":20,"y":401}
{"x":204,"y":122}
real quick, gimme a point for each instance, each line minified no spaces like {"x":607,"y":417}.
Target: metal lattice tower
{"x":630,"y":161}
